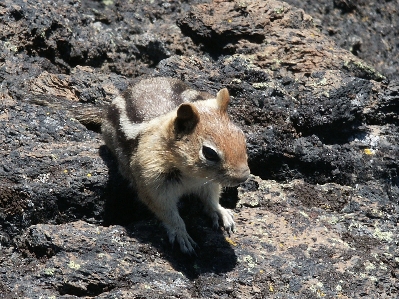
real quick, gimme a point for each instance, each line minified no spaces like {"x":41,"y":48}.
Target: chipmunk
{"x":171,"y":140}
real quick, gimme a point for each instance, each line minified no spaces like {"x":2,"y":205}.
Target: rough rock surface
{"x":318,"y":218}
{"x":368,"y":29}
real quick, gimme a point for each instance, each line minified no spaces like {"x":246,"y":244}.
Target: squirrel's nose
{"x":241,"y":175}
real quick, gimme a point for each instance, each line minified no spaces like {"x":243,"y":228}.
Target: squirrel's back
{"x":153,"y":97}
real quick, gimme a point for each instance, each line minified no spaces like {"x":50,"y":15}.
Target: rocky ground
{"x":315,"y":87}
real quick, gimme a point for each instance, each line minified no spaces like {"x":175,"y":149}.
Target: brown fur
{"x":194,"y":148}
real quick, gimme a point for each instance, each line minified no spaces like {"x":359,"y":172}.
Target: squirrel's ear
{"x":187,"y":118}
{"x":223,"y":99}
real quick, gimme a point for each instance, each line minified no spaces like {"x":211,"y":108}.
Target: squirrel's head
{"x":207,"y":144}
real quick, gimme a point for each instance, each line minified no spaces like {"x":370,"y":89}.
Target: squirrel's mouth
{"x":240,"y":175}
{"x":235,"y":180}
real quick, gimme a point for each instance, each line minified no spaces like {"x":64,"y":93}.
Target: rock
{"x":319,"y":216}
{"x":272,"y":35}
{"x":296,"y":240}
{"x":364,"y":28}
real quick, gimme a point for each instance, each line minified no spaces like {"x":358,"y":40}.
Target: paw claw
{"x":186,"y":243}
{"x":226,"y":216}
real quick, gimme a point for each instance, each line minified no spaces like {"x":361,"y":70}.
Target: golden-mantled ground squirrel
{"x":171,"y":140}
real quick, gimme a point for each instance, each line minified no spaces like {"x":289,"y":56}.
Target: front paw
{"x":227,"y":219}
{"x":186,"y":243}
{"x":226,"y":216}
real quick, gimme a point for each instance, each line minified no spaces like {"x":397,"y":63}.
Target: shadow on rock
{"x":122,"y":207}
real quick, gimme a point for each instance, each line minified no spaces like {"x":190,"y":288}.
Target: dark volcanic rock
{"x":368,"y":29}
{"x":293,"y":238}
{"x":321,"y":217}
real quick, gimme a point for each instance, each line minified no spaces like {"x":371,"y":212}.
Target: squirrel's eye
{"x":210,"y":154}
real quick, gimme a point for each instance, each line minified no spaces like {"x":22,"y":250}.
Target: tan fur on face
{"x":229,"y":142}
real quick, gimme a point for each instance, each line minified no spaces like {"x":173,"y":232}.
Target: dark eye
{"x":210,"y":154}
